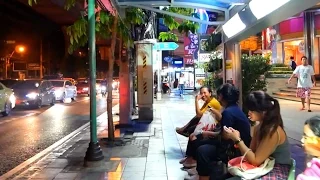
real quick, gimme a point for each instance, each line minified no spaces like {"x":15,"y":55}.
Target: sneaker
{"x":192,"y":171}
{"x":194,"y":177}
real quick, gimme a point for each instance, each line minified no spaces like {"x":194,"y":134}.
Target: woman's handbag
{"x":240,"y":167}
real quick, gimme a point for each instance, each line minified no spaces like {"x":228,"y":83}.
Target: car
{"x":83,"y":87}
{"x":33,"y":92}
{"x":71,"y":80}
{"x":7,"y":100}
{"x":9,"y":82}
{"x":64,"y":89}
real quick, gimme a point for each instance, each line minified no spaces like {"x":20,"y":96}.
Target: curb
{"x":46,"y":151}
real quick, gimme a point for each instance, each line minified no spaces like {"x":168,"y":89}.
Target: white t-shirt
{"x":304,"y":74}
{"x":182,"y":80}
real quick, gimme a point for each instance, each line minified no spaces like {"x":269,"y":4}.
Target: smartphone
{"x":226,"y":128}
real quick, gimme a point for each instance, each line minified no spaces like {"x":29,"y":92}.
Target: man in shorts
{"x":306,"y":81}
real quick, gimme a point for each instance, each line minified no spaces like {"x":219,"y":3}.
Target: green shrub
{"x":254,"y":69}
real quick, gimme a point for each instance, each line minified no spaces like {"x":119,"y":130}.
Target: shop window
{"x":293,"y":48}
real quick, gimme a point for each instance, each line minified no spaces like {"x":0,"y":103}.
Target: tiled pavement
{"x":152,"y":152}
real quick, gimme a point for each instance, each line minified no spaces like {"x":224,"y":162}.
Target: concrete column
{"x":232,"y":67}
{"x":125,"y":95}
{"x":309,"y":35}
{"x":144,"y":56}
{"x":238,"y":70}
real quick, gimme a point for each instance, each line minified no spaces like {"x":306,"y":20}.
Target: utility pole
{"x":41,"y":55}
{"x":94,"y":152}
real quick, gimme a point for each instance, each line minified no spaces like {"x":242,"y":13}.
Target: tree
{"x":184,"y":27}
{"x":110,"y":25}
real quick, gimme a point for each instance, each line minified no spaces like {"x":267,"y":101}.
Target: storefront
{"x":290,"y":36}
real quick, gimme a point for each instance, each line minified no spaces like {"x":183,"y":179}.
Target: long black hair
{"x":314,"y":124}
{"x":229,"y":93}
{"x":262,"y":102}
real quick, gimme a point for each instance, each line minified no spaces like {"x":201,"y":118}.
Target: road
{"x":25,"y":133}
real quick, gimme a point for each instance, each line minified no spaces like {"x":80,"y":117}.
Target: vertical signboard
{"x":191,"y":47}
{"x":229,"y":72}
{"x":204,"y":55}
{"x":145,"y":80}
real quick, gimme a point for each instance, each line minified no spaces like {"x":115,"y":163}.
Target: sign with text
{"x":191,"y":48}
{"x":165,"y":46}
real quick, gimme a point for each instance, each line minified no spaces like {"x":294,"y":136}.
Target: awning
{"x":252,"y":18}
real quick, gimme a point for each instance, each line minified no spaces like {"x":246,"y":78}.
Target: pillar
{"x":309,"y":35}
{"x":238,"y":70}
{"x":144,"y":58}
{"x":311,"y":41}
{"x":232,"y":66}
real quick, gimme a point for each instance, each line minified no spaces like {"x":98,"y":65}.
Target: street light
{"x":18,"y":49}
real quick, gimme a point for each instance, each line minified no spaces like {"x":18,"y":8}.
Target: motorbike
{"x":166,"y":88}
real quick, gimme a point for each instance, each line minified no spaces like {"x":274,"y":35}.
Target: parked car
{"x":64,"y":89}
{"x":34,"y":93}
{"x":7,"y":100}
{"x":9,"y":82}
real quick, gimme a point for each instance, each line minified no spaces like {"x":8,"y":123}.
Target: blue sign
{"x":165,"y":46}
{"x":168,"y":59}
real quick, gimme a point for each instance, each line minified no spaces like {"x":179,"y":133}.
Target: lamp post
{"x":19,"y":49}
{"x":94,"y":153}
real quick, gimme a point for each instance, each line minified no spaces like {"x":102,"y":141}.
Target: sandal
{"x":309,"y":110}
{"x":302,"y":109}
{"x":185,"y":134}
{"x":183,"y":160}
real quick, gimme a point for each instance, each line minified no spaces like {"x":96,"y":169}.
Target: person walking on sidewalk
{"x":182,"y":81}
{"x":306,"y":81}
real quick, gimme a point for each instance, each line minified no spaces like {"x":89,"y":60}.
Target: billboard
{"x":204,"y":55}
{"x":191,"y":48}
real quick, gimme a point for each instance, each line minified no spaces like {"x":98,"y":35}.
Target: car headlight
{"x":32,"y":95}
{"x":114,"y":84}
{"x":12,"y":99}
{"x":58,"y":92}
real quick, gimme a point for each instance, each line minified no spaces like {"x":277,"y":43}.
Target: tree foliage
{"x":184,"y":27}
{"x":78,"y":32}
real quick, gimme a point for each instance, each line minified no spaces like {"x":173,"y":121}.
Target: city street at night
{"x":25,"y":133}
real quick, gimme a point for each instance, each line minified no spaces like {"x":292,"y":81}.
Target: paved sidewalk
{"x":151,"y":153}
